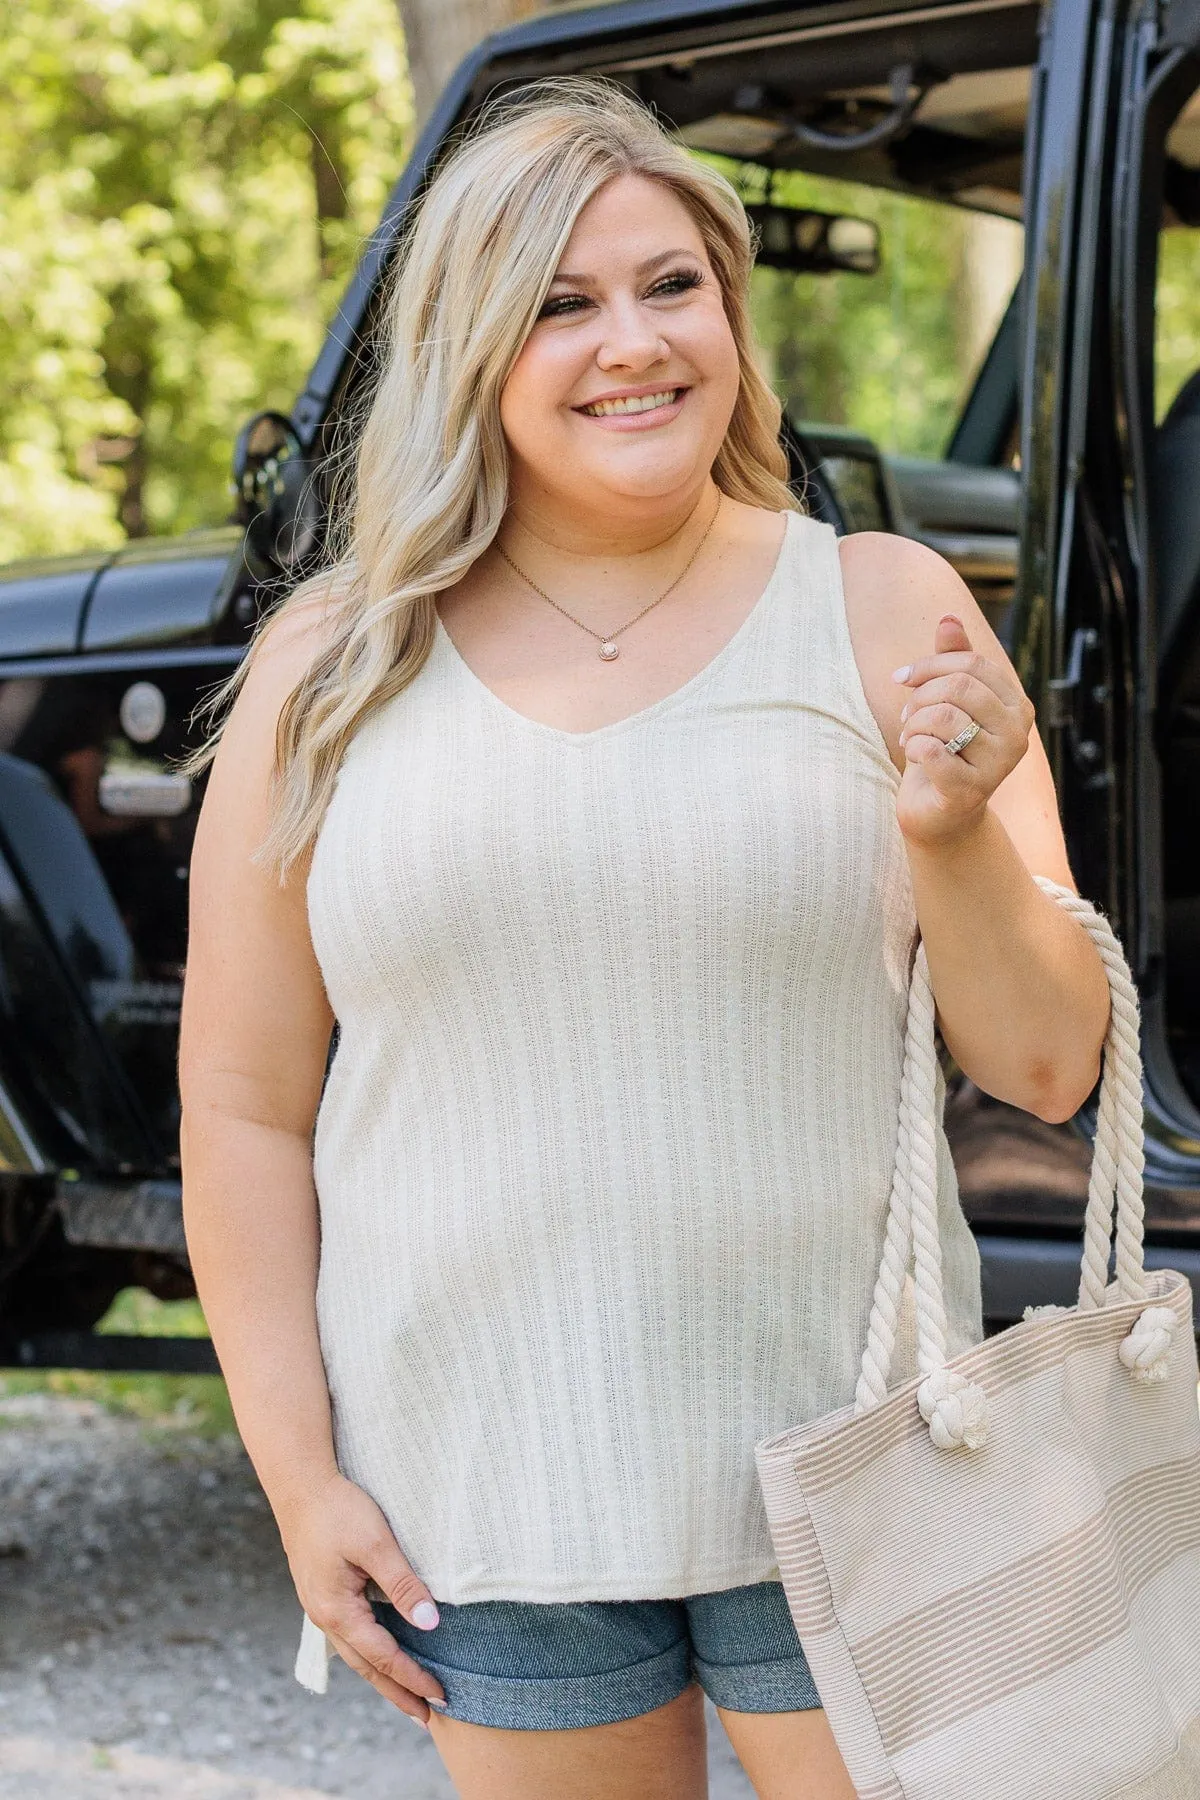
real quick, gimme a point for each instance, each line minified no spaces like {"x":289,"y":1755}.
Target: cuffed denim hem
{"x":541,"y":1666}
{"x":765,"y":1687}
{"x":561,"y":1702}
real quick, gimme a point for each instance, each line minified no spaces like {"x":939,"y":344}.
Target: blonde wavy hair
{"x":429,"y":482}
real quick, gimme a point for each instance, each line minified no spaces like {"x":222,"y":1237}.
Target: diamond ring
{"x":964,"y":738}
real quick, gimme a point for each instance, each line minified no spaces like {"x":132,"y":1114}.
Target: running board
{"x":99,"y":1350}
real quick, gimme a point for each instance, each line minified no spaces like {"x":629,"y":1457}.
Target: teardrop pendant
{"x":608,"y":650}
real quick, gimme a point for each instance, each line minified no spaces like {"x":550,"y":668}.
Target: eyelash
{"x":563,"y":305}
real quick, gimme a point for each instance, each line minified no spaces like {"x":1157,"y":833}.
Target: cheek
{"x":715,"y":355}
{"x":531,"y":400}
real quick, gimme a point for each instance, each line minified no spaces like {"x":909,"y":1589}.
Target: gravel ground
{"x":148,"y":1627}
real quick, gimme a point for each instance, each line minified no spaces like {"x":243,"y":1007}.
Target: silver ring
{"x":960,"y":742}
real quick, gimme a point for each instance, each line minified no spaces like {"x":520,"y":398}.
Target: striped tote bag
{"x":994,"y":1568}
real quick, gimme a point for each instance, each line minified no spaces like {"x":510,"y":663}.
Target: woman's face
{"x":624,"y":389}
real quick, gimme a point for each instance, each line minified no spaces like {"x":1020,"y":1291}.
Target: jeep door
{"x":1112,"y":542}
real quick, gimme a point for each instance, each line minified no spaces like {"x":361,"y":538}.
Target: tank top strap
{"x":804,"y":654}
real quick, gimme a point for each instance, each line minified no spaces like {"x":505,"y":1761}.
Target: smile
{"x":632,"y":403}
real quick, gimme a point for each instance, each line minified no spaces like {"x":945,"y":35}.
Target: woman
{"x":598,"y":793}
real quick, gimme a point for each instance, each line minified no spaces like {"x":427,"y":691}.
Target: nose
{"x":632,"y":338}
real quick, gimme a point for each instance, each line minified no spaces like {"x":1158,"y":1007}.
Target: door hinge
{"x":1060,"y":706}
{"x":1064,"y":693}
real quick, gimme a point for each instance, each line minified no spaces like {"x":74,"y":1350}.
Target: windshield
{"x":893,"y":355}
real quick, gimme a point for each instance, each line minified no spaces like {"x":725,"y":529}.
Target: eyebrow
{"x":643,"y":268}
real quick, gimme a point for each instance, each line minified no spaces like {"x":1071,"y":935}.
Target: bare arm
{"x":253,"y":1046}
{"x":254,"y":1038}
{"x":1021,"y":993}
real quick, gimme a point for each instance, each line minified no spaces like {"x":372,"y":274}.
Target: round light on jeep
{"x":143,"y":712}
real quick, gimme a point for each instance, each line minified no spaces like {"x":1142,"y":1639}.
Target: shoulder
{"x":896,"y":589}
{"x":892,"y":578}
{"x":287,"y":646}
{"x":294,"y":636}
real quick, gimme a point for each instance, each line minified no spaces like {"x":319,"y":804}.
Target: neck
{"x":537,"y":526}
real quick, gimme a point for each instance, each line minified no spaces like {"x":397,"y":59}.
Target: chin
{"x":649,"y":478}
{"x":617,"y":493}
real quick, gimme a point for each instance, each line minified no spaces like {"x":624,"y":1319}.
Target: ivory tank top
{"x":604,"y":1154}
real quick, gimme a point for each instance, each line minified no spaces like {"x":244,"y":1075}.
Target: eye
{"x":680,"y":281}
{"x":560,"y":306}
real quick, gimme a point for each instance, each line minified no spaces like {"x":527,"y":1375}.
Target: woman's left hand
{"x":944,"y":794}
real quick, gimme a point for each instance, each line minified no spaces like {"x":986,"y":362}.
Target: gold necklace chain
{"x":609,"y":649}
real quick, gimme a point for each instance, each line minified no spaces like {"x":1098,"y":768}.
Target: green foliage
{"x":1177,"y":314}
{"x":184,"y":188}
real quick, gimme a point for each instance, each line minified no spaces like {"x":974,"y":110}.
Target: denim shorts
{"x":535,"y":1666}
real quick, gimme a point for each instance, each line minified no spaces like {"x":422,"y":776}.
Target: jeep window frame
{"x":1161,"y":68}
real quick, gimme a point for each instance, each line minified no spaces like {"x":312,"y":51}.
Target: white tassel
{"x":313,"y":1658}
{"x":955,"y":1409}
{"x":1146,"y":1352}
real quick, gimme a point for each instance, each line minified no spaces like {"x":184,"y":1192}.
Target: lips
{"x":627,"y":405}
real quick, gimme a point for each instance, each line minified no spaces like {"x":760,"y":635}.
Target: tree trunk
{"x":439,"y":33}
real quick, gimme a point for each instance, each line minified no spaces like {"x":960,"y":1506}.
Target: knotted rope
{"x":956,"y":1409}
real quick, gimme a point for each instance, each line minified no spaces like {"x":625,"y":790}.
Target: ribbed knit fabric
{"x":605,"y":1152}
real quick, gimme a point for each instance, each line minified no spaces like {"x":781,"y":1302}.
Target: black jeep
{"x":1060,"y":144}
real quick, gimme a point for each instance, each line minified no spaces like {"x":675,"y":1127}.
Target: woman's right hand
{"x":336,"y":1539}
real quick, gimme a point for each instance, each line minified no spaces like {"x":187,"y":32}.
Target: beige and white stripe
{"x":1020,"y":1620}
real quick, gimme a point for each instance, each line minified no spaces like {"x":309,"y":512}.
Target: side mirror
{"x":274,"y":494}
{"x":814,"y":243}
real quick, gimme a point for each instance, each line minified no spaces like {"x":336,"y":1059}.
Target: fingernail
{"x":903,"y":714}
{"x":425,"y":1614}
{"x":440,"y":1704}
{"x":420,"y":1722}
{"x":902,"y":674}
{"x":951,"y":619}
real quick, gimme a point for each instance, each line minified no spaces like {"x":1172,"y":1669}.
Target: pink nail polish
{"x":902,"y":674}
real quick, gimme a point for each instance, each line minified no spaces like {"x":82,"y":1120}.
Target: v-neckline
{"x":644,"y":713}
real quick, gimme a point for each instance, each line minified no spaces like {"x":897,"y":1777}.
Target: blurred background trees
{"x":184,"y":186}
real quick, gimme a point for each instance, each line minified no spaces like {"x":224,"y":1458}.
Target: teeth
{"x":635,"y":403}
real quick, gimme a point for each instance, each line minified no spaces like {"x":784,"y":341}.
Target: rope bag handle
{"x":955,"y":1408}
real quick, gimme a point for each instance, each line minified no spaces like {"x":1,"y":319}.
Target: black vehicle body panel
{"x":161,"y":591}
{"x":41,"y":604}
{"x":90,"y":1079}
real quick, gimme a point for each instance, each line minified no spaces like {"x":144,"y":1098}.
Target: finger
{"x":950,"y":634}
{"x":400,"y":1582}
{"x":944,"y":722}
{"x":963,"y":691}
{"x":375,"y":1645}
{"x":961,"y":662}
{"x":951,"y":773}
{"x":405,"y":1699}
